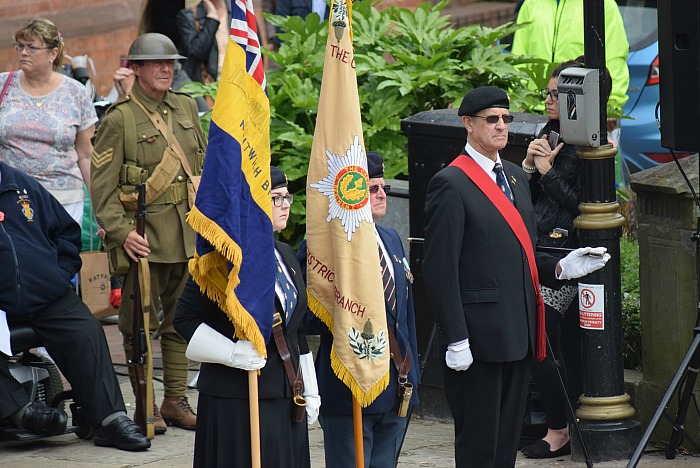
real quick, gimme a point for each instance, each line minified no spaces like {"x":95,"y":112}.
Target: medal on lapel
{"x":407,"y":270}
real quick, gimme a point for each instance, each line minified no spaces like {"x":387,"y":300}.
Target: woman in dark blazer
{"x":223,"y":429}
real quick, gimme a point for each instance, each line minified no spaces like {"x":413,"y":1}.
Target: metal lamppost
{"x":605,"y":413}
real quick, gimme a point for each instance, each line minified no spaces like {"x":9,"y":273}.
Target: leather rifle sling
{"x":512,"y":216}
{"x":145,"y":286}
{"x":296,"y":380}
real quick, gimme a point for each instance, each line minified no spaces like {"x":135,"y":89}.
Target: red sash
{"x":515,"y":221}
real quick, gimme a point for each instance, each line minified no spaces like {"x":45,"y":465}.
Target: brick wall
{"x":102,"y":29}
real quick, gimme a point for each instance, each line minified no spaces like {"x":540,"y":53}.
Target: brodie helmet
{"x":153,"y":46}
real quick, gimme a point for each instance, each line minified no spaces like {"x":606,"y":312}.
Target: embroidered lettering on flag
{"x":344,"y":283}
{"x":234,"y":262}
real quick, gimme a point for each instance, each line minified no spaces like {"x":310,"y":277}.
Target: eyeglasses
{"x":554,"y":94}
{"x":19,"y":47}
{"x":278,"y":200}
{"x":375,"y":188}
{"x":493,"y":119}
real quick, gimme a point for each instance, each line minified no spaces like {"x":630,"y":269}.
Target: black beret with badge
{"x":375,"y":165}
{"x":483,"y":98}
{"x":277,"y":178}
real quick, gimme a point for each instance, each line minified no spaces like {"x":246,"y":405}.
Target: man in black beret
{"x":383,"y":428}
{"x":482,"y":276}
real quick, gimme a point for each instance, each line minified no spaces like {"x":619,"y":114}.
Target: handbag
{"x":6,"y":86}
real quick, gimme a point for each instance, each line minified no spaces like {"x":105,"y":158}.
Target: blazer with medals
{"x":336,"y":396}
{"x":218,"y":380}
{"x":476,"y":272}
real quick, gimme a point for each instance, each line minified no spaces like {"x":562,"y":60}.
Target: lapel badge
{"x":512,"y":180}
{"x":27,"y":209}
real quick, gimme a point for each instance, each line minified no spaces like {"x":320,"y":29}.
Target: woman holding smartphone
{"x":552,"y":166}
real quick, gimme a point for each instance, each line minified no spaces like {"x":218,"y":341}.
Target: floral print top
{"x":37,"y":134}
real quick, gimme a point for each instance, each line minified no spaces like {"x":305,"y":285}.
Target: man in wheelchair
{"x":39,"y":254}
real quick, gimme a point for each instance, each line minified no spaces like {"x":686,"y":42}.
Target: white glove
{"x":208,"y":345}
{"x":582,"y":261}
{"x":459,"y":356}
{"x":313,"y":400}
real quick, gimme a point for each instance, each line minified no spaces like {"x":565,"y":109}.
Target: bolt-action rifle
{"x":141,"y":360}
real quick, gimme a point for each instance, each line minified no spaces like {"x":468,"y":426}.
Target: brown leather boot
{"x":158,"y":422}
{"x":176,"y":411}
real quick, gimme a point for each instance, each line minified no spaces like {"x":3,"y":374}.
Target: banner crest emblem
{"x":346,"y":187}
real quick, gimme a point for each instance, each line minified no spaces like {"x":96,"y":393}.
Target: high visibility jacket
{"x":555,"y":34}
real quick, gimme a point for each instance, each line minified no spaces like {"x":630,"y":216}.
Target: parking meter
{"x":579,"y":106}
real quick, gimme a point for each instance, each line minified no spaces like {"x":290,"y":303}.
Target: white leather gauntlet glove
{"x":313,"y":400}
{"x":459,"y":356}
{"x":582,"y":261}
{"x":208,"y":345}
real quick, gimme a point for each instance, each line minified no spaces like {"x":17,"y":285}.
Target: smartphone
{"x":124,"y":63}
{"x":553,"y":139}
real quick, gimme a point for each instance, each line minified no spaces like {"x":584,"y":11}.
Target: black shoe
{"x":41,"y":419}
{"x":541,"y":449}
{"x":122,"y":433}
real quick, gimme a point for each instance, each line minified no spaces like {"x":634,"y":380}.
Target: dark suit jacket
{"x":335,"y":395}
{"x":476,"y":273}
{"x":218,"y":380}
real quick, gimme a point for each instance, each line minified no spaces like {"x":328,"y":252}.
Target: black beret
{"x":375,"y":165}
{"x":483,"y":98}
{"x":277,"y":177}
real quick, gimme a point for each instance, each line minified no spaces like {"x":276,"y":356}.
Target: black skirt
{"x":222,"y":438}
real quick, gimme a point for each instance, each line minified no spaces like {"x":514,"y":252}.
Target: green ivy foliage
{"x":406,"y":62}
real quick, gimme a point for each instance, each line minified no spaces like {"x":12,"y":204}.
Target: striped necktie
{"x":501,"y":181}
{"x":288,"y":291}
{"x":388,"y":282}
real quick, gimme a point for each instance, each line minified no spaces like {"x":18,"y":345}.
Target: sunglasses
{"x":375,"y":188}
{"x":493,"y":119}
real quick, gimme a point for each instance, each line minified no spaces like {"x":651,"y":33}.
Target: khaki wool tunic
{"x":170,"y":238}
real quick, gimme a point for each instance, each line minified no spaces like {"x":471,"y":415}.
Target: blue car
{"x":640,"y":138}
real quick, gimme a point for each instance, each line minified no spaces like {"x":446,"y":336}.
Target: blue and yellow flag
{"x":234,"y":262}
{"x":344,"y":282}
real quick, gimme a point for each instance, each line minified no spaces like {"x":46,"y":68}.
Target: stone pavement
{"x":429,"y":442}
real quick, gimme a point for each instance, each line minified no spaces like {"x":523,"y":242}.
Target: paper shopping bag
{"x":94,"y":284}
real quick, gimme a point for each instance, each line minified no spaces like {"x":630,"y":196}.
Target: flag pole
{"x":254,"y":419}
{"x":359,"y":440}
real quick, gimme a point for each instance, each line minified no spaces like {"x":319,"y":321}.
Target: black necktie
{"x":288,"y":291}
{"x":501,"y":181}
{"x":388,"y":282}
